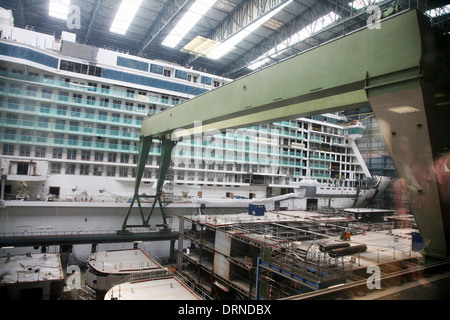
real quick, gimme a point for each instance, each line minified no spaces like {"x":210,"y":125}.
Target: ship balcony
{"x":72,"y":102}
{"x":321,"y":175}
{"x":297,"y":155}
{"x":291,"y":164}
{"x":25,"y":170}
{"x":66,"y":143}
{"x":316,"y":139}
{"x":70,"y":115}
{"x":109,"y":93}
{"x":26,"y":178}
{"x":70,"y":129}
{"x":289,"y":124}
{"x":322,"y":158}
{"x":319,"y":166}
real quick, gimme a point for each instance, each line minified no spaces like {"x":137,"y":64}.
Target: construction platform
{"x":279,"y":253}
{"x":31,"y":276}
{"x":159,"y":289}
{"x":108,"y":268}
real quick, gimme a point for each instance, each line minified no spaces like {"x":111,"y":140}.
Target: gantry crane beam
{"x":390,"y":66}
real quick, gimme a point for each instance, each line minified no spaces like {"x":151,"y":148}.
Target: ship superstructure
{"x":70,"y":125}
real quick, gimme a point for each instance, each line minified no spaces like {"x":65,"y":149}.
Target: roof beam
{"x":238,"y":18}
{"x":168,"y":13}
{"x":94,"y":17}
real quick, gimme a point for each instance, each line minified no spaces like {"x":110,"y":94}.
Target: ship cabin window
{"x":76,"y":98}
{"x":90,"y":100}
{"x":25,"y":151}
{"x":179,"y":74}
{"x":8,"y":149}
{"x":16,"y":71}
{"x":117,"y":104}
{"x":56,"y":168}
{"x":129,"y":106}
{"x":98,"y":156}
{"x":206,"y":80}
{"x":70,"y":168}
{"x":111,"y":171}
{"x":105,"y":88}
{"x":97,"y":171}
{"x":92,"y":86}
{"x":71,"y":154}
{"x":63,"y":96}
{"x":84,"y":169}
{"x":40,"y":152}
{"x":130,"y":93}
{"x":167,"y":73}
{"x":124,"y":158}
{"x":104,"y":102}
{"x":46,"y":94}
{"x":48,"y":78}
{"x":123,"y":172}
{"x":154,"y":68}
{"x":85,"y":155}
{"x":112,"y":156}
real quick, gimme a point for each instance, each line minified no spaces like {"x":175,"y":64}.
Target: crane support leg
{"x":144,"y":147}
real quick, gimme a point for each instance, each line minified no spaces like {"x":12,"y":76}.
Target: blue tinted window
{"x":156,"y":69}
{"x":181,"y":74}
{"x":206,"y":80}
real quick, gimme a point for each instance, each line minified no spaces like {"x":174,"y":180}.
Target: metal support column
{"x":166,"y":152}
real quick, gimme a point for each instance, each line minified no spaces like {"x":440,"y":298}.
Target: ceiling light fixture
{"x":125,"y":15}
{"x":187,"y":22}
{"x":359,"y":4}
{"x":230,"y":43}
{"x":59,"y":9}
{"x":301,"y":35}
{"x":437,"y":12}
{"x":403,"y":109}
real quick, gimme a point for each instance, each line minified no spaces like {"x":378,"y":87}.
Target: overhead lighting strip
{"x":187,"y":22}
{"x":59,"y":9}
{"x":298,"y":37}
{"x":433,"y":13}
{"x":125,"y":15}
{"x":360,"y":4}
{"x":229,"y":44}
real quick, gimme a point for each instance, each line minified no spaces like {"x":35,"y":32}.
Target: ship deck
{"x":160,"y":289}
{"x":30,"y":268}
{"x":123,"y":262}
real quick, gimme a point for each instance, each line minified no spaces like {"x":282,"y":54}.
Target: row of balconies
{"x":73,"y":87}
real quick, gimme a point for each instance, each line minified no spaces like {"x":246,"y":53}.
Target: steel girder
{"x":388,"y":68}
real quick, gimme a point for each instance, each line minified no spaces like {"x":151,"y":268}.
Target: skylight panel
{"x":187,"y":22}
{"x":359,"y":4}
{"x":229,"y":44}
{"x":59,"y":9}
{"x":125,"y":15}
{"x":296,"y":38}
{"x":433,"y":13}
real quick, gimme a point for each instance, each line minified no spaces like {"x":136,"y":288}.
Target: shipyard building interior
{"x":225,"y":150}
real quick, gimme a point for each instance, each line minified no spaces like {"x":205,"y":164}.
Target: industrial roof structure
{"x":257,"y":32}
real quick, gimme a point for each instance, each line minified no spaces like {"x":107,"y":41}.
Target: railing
{"x":154,"y":276}
{"x":67,"y":233}
{"x":110,"y":93}
{"x":73,"y":113}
